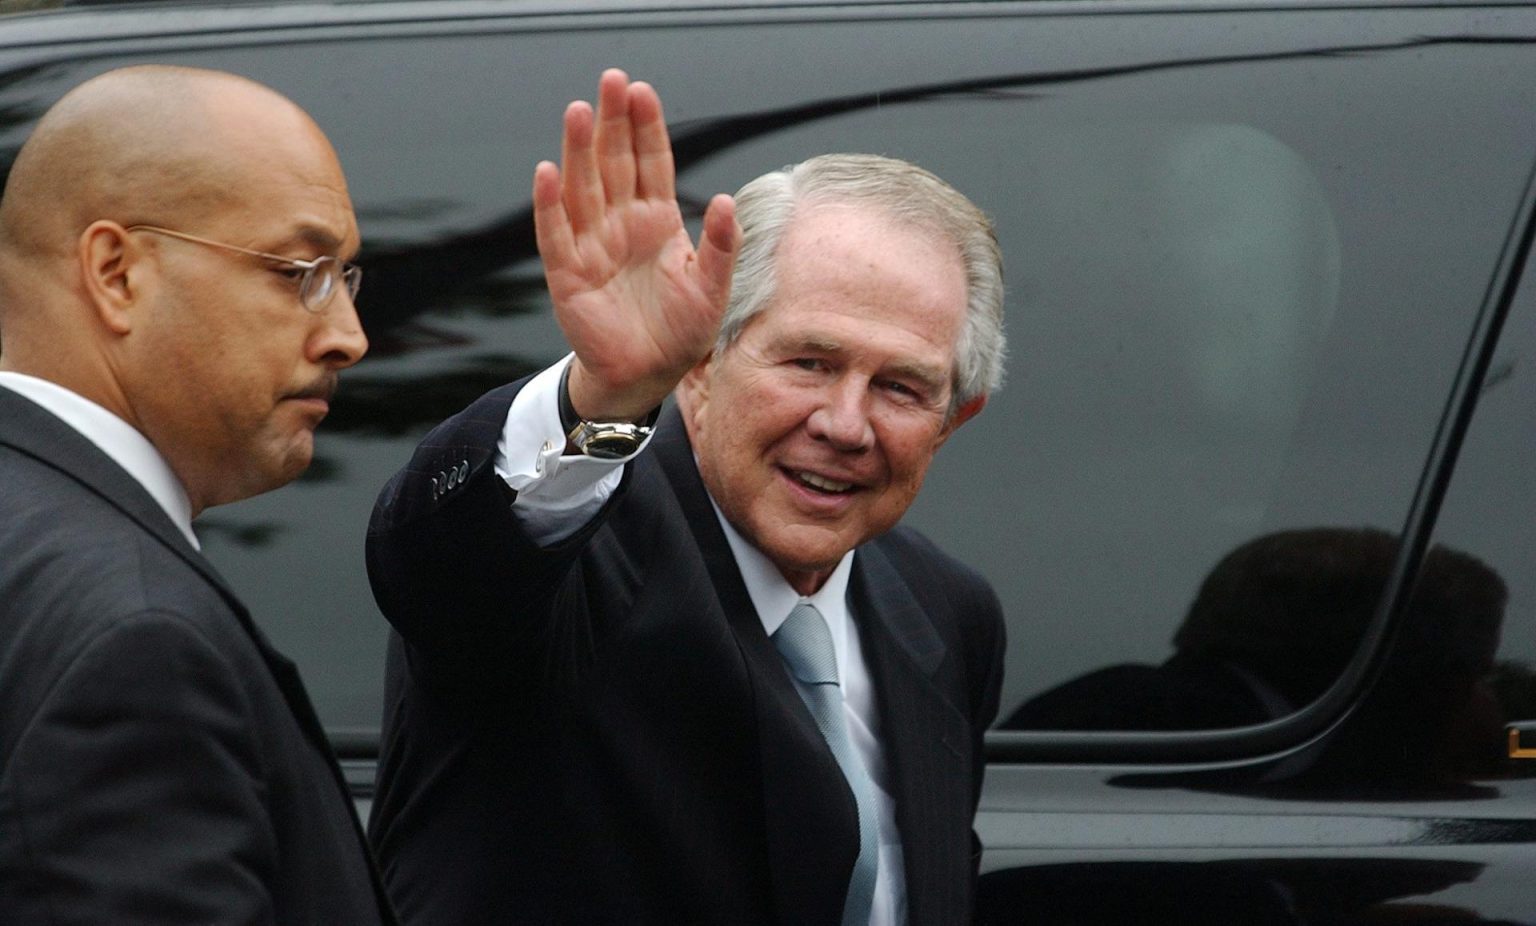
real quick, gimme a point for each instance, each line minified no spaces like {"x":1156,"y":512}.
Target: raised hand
{"x":638,"y":303}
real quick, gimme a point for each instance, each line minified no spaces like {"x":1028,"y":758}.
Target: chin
{"x":299,"y":453}
{"x":281,"y":469}
{"x":805,"y":556}
{"x":294,"y":467}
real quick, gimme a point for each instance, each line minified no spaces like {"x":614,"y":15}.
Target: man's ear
{"x":110,"y":265}
{"x":692,"y":391}
{"x":962,"y":414}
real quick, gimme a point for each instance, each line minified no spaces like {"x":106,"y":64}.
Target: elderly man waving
{"x":684,"y":666}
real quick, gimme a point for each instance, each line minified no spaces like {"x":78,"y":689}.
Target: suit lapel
{"x":810,"y":815}
{"x":926,"y":739}
{"x":36,"y":432}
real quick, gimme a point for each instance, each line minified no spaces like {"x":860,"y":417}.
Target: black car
{"x":1258,"y":498}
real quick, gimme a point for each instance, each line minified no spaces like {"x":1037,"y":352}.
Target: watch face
{"x":612,"y":444}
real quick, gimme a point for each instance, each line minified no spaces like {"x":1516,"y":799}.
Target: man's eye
{"x":807,"y":363}
{"x":905,"y":392}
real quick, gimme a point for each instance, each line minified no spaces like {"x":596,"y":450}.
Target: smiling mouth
{"x":820,"y":483}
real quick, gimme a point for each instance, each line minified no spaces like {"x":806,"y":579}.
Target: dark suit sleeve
{"x":136,"y":793}
{"x":449,"y":565}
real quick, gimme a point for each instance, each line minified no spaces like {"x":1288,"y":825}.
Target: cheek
{"x":909,"y":451}
{"x":739,"y":455}
{"x":759,"y":417}
{"x":735,"y":457}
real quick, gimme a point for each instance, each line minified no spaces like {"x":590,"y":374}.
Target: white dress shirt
{"x":773,"y":598}
{"x":117,"y":439}
{"x":558,"y":494}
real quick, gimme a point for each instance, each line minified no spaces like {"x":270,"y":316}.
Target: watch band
{"x":568,"y":417}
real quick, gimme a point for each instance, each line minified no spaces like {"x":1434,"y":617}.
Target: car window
{"x":1480,"y":641}
{"x":1241,"y":270}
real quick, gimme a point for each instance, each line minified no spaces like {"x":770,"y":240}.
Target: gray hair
{"x":909,"y":194}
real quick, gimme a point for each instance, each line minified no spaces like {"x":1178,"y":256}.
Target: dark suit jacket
{"x":602,"y":732}
{"x":159,"y":762}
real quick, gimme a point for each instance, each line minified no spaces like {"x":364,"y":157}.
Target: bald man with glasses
{"x":175,"y":307}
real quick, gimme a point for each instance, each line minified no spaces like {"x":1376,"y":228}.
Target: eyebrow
{"x":813,"y":343}
{"x":313,"y":236}
{"x":931,"y":379}
{"x":920,"y":372}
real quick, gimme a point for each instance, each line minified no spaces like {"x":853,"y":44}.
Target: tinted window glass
{"x":1242,"y":268}
{"x":1482,"y":640}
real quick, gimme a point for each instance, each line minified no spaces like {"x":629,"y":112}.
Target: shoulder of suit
{"x":73,"y":559}
{"x":911,"y":546}
{"x":929,"y":570}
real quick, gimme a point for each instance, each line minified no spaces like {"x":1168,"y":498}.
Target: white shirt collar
{"x":117,"y":439}
{"x":774,"y":597}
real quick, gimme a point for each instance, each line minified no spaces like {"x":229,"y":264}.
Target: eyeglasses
{"x":318,"y":277}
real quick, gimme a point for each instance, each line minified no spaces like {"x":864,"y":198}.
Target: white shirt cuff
{"x":556,"y":494}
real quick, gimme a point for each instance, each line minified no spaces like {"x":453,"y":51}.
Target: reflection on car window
{"x":1238,"y":288}
{"x":1490,"y":509}
{"x":1274,"y":624}
{"x":1222,"y":335}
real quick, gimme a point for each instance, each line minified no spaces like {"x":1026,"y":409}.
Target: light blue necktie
{"x":806,"y":645}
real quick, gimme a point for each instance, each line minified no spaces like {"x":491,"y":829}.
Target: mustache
{"x":324,"y":387}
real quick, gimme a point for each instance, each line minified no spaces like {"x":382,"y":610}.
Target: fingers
{"x":655,"y":176}
{"x":583,"y":186}
{"x":551,"y":225}
{"x":614,"y":140}
{"x":718,"y":245}
{"x":620,"y":152}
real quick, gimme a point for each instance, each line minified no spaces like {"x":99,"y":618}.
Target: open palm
{"x":638,"y":303}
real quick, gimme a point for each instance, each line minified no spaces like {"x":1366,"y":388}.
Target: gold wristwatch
{"x":601,"y":440}
{"x":607,"y":440}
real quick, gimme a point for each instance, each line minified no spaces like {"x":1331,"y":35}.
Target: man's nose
{"x":340,"y":342}
{"x":842,"y":418}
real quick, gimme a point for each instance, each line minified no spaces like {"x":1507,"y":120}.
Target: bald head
{"x":150,"y":144}
{"x":141,"y":144}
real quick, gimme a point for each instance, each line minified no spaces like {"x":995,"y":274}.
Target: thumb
{"x":719,"y":244}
